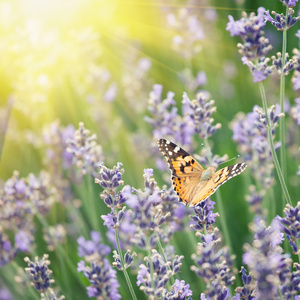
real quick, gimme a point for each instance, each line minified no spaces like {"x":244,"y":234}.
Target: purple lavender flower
{"x":146,"y":210}
{"x":110,"y":180}
{"x":41,"y":192}
{"x":199,"y":112}
{"x":255,"y":46}
{"x":16,"y":208}
{"x":213,"y":265}
{"x":177,"y":211}
{"x":179,"y":291}
{"x":255,"y":198}
{"x":264,"y":257}
{"x":296,"y":114}
{"x":24,"y":240}
{"x":103,"y":279}
{"x":126,"y":231}
{"x":250,"y":132}
{"x":296,"y":81}
{"x":289,"y":3}
{"x":288,"y":65}
{"x":39,"y":274}
{"x":86,"y":153}
{"x":290,"y":224}
{"x":204,"y":216}
{"x":161,"y":271}
{"x":164,"y":117}
{"x":247,"y":290}
{"x":100,"y":274}
{"x":93,"y":246}
{"x":128,"y":260}
{"x":56,"y":137}
{"x":280,"y":21}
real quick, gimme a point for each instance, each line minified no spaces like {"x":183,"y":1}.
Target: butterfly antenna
{"x":230,"y":159}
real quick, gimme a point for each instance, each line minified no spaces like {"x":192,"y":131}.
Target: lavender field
{"x":96,"y":99}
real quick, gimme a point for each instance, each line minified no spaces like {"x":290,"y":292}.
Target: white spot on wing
{"x":176,"y":149}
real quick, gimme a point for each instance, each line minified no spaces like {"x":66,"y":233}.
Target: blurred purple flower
{"x":111,"y":92}
{"x":164,"y":118}
{"x":297,"y":101}
{"x":5,"y":294}
{"x":86,"y":153}
{"x":250,"y":133}
{"x":289,"y":3}
{"x":263,"y":258}
{"x":41,"y":192}
{"x":93,"y":246}
{"x":24,"y":240}
{"x":191,"y":82}
{"x":55,"y":138}
{"x":213,"y":265}
{"x":7,"y":252}
{"x":189,"y":32}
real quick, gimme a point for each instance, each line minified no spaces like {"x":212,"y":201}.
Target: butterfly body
{"x":191,"y":181}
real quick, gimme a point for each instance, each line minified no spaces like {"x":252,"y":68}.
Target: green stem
{"x":282,"y":95}
{"x":123,"y":266}
{"x":270,"y":138}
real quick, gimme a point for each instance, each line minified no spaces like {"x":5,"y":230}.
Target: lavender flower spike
{"x":255,"y":46}
{"x":103,"y":280}
{"x":264,"y":258}
{"x":199,"y":112}
{"x":204,"y":216}
{"x":213,"y":265}
{"x":86,"y":153}
{"x":180,"y":291}
{"x":290,"y":224}
{"x":162,"y":271}
{"x":40,"y":277}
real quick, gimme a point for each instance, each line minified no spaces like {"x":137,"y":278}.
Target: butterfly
{"x":191,"y":181}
